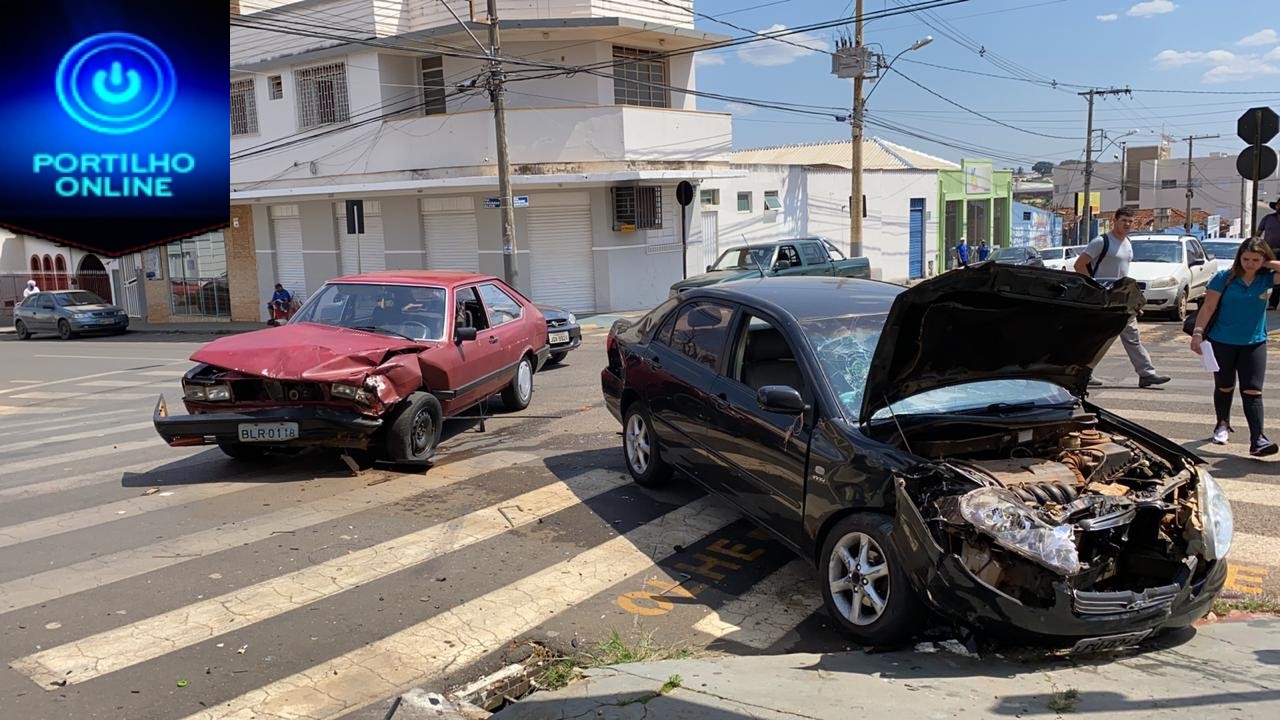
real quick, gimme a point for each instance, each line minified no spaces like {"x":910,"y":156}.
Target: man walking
{"x":1107,"y":257}
{"x":983,"y":251}
{"x":962,"y":253}
{"x":1269,"y":230}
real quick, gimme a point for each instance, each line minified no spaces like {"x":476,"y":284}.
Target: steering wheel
{"x":425,"y":330}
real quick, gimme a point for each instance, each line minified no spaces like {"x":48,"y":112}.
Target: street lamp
{"x":914,"y":46}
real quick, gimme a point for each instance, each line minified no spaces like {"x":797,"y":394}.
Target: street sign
{"x":1258,"y":125}
{"x":355,"y":217}
{"x":684,"y":193}
{"x":1256,"y":162}
{"x":519,"y":201}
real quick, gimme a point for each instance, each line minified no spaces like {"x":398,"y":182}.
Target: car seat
{"x":768,"y":361}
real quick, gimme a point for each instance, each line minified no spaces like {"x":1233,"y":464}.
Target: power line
{"x":975,"y":112}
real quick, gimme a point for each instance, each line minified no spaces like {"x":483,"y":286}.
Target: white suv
{"x":1171,"y":270}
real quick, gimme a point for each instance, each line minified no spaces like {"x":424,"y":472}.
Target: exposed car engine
{"x":1097,"y":508}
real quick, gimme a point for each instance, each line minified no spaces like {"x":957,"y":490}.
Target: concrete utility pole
{"x":510,"y":270}
{"x":1186,"y":224}
{"x":1088,"y":162}
{"x":855,"y":168}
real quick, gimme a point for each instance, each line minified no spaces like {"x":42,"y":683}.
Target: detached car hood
{"x":996,"y":322}
{"x":713,"y":278}
{"x":305,"y":351}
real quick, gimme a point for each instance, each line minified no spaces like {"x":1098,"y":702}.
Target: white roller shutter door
{"x":371,"y":254}
{"x":561,"y":265}
{"x":286,"y":228}
{"x":450,"y":233}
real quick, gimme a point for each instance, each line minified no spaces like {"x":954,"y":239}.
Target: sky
{"x":1206,"y":46}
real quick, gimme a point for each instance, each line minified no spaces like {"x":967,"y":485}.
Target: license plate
{"x":1110,"y":642}
{"x":268,"y":432}
{"x":558,"y":337}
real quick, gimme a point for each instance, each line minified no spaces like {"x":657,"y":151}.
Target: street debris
{"x":151,"y":491}
{"x":52,"y":626}
{"x":182,"y":683}
{"x":242,"y":649}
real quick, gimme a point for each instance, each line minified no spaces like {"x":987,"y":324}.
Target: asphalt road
{"x":142,"y":581}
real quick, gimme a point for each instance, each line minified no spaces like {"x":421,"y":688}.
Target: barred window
{"x":244,"y":109}
{"x":322,"y":95}
{"x":432,"y":73}
{"x":637,"y":208}
{"x":640,"y":78}
{"x":276,"y":85}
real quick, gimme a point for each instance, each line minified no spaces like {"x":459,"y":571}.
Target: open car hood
{"x":305,"y":351}
{"x":996,"y":322}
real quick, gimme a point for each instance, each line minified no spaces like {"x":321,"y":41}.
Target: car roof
{"x":444,"y":278}
{"x":806,"y":297}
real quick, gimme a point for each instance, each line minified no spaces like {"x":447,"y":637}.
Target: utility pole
{"x":1088,"y":160}
{"x":509,"y":267}
{"x":855,"y":168}
{"x":1186,"y":224}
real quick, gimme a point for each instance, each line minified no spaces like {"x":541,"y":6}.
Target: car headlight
{"x":1164,"y":282}
{"x":344,"y":391}
{"x":999,"y":514}
{"x":81,"y":316}
{"x":573,"y":320}
{"x":217,"y":393}
{"x":193,"y":392}
{"x":1216,"y":518}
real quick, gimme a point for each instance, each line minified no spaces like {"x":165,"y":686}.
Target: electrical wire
{"x":975,"y":112}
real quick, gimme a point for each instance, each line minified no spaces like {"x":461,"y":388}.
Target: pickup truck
{"x":800,"y":256}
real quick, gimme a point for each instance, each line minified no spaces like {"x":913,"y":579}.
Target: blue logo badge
{"x":115,"y":83}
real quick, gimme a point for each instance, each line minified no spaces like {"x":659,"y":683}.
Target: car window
{"x":30,"y":301}
{"x":787,"y":257}
{"x":663,"y":336}
{"x":1162,"y":251}
{"x":501,"y":306}
{"x":1194,"y":251}
{"x":813,"y":254}
{"x":700,"y":331}
{"x":833,"y":251}
{"x":46,"y":302}
{"x":78,"y":297}
{"x":763,"y":356}
{"x":469,"y":311}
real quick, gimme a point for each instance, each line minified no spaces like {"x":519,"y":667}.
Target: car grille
{"x":1111,"y":603}
{"x":275,"y":391}
{"x":557,"y":323}
{"x":103,"y":313}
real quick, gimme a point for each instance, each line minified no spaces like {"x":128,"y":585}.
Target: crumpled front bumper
{"x":317,"y":426}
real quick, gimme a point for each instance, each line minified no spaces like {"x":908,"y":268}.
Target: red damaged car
{"x":372,"y":363}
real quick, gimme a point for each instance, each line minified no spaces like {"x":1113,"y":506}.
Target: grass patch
{"x":1222,"y":607}
{"x":615,"y":650}
{"x":558,"y":673}
{"x":1064,"y":702}
{"x":672,"y":683}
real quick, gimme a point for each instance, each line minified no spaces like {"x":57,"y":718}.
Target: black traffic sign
{"x":1258,"y":125}
{"x":684,"y":192}
{"x":1257,"y":162}
{"x":355,"y":217}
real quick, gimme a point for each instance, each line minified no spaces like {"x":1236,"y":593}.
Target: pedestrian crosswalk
{"x":293,"y":590}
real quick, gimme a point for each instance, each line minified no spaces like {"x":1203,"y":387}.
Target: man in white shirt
{"x":30,"y":290}
{"x":1107,"y":257}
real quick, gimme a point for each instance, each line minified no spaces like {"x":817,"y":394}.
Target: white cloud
{"x":1111,"y":17}
{"x":1262,"y":37}
{"x":775,"y":52}
{"x":740,"y":109}
{"x":1152,"y":7}
{"x":1224,"y":65}
{"x":706,"y":58}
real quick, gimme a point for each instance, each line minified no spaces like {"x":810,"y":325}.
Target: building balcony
{"x":577,"y":139}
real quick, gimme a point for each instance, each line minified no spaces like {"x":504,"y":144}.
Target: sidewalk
{"x":1231,"y":666}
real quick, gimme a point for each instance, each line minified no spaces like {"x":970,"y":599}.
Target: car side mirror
{"x":463,"y":334}
{"x":709,"y":267}
{"x":1196,"y":261}
{"x":781,"y":399}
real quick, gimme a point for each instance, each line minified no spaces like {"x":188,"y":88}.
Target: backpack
{"x":1106,"y":246}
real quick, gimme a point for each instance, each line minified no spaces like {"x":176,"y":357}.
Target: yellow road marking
{"x":1246,"y":579}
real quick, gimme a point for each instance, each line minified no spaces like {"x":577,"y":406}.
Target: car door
{"x":46,"y":313}
{"x":763,"y":455}
{"x":1201,"y":270}
{"x":816,"y":260}
{"x":676,"y":373}
{"x":506,"y":330}
{"x":481,"y":361}
{"x":787,"y":261}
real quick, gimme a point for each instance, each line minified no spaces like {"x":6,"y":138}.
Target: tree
{"x":1042,"y":168}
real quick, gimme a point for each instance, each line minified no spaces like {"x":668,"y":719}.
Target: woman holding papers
{"x":1235,"y":313}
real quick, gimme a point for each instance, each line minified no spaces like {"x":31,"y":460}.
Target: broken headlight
{"x":1215,"y":517}
{"x":999,"y":513}
{"x":211,"y":393}
{"x":344,"y":391}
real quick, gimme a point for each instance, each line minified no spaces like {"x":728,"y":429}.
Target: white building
{"x":803,"y":190}
{"x":55,"y":266}
{"x":403,"y":123}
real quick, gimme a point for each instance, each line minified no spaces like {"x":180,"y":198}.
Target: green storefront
{"x":974,"y":202}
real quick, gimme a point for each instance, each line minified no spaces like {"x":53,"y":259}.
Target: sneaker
{"x":1263,"y":448}
{"x":1094,"y":382}
{"x":1221,"y":434}
{"x":1149,"y":380}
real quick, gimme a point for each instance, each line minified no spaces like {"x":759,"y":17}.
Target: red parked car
{"x":373,"y":362}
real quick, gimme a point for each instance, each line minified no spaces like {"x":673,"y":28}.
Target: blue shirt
{"x":962,"y":252}
{"x":1241,"y":317}
{"x":983,"y":252}
{"x":281,"y":295}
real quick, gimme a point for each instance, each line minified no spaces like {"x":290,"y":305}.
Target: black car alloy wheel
{"x":640,"y":446}
{"x":21,"y":328}
{"x":863,"y":585}
{"x":64,"y":330}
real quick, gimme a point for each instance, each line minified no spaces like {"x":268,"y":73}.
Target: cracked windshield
{"x":528,"y":372}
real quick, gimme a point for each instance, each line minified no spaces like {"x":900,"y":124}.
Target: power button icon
{"x":115,"y":83}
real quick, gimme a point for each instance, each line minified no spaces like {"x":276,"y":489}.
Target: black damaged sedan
{"x":924,"y":456}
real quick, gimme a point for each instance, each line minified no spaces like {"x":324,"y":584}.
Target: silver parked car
{"x":67,"y":313}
